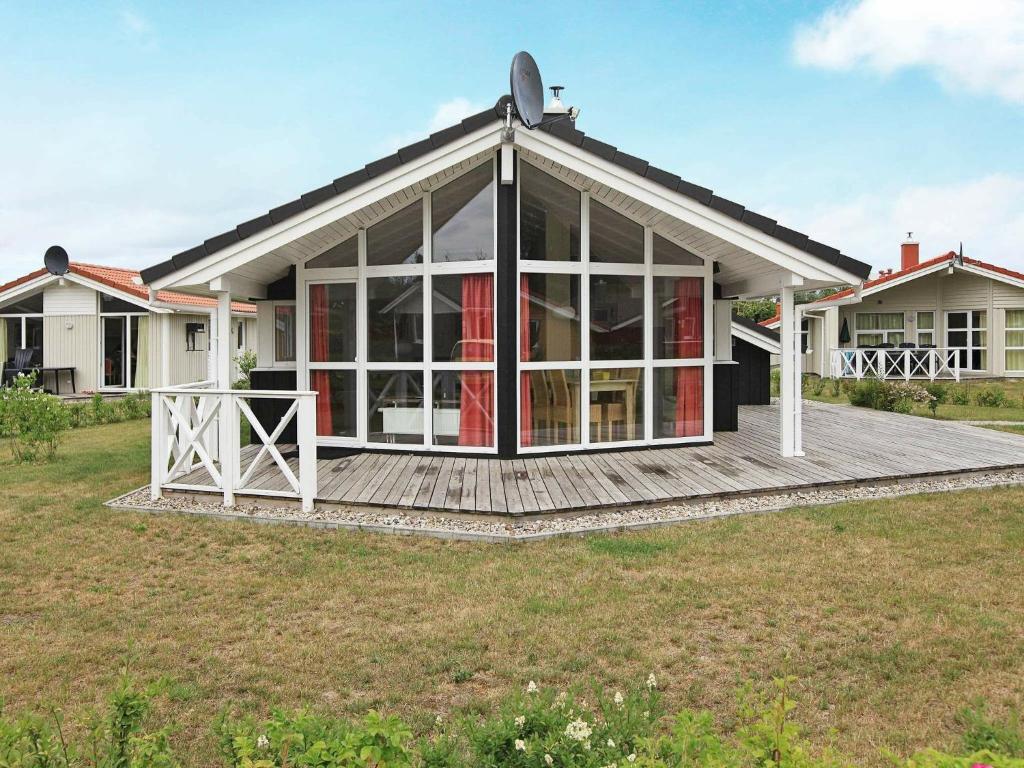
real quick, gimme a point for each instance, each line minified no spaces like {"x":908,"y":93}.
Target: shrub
{"x":938,"y":391}
{"x":893,"y":396}
{"x":960,"y":396}
{"x":245,"y":362}
{"x":33,"y":420}
{"x":776,"y":382}
{"x":990,"y":397}
{"x":836,"y":385}
{"x":818,"y":385}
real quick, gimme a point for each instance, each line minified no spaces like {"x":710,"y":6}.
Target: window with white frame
{"x":401,"y":323}
{"x":195,"y":333}
{"x":21,"y":327}
{"x":967,"y":332}
{"x":873,"y":329}
{"x":240,"y":335}
{"x":611,"y":324}
{"x":1014,"y":340}
{"x":284,"y":333}
{"x":925,"y":328}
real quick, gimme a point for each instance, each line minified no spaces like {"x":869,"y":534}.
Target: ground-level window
{"x":1014,"y":340}
{"x":284,"y":333}
{"x":876,"y":328}
{"x":24,"y":332}
{"x":967,"y":331}
{"x":194,"y":335}
{"x":925,"y":328}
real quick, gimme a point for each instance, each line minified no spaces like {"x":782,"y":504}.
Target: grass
{"x":893,"y":614}
{"x":1014,"y":389}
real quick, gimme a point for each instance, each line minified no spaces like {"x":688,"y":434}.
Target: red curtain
{"x":688,"y":314}
{"x":525,"y":404}
{"x":320,"y":380}
{"x":476,"y":405}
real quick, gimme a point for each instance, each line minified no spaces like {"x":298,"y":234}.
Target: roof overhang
{"x":39,"y":283}
{"x":760,"y":340}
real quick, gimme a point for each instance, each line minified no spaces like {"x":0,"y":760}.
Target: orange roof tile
{"x":124,"y":280}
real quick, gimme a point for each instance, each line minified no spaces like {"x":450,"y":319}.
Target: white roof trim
{"x":39,"y":283}
{"x":740,"y":331}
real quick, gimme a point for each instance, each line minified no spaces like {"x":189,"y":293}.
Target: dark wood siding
{"x":753,"y":373}
{"x":269,"y":412}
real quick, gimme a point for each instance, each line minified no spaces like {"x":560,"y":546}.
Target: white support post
{"x":227,"y":432}
{"x":798,"y":382}
{"x":306,"y":429}
{"x":158,"y":442}
{"x":165,"y":348}
{"x":790,"y":378}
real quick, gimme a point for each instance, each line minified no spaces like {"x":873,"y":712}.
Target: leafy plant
{"x":894,"y":396}
{"x":836,"y":386}
{"x":245,"y":362}
{"x":984,"y":734}
{"x":960,"y":396}
{"x":990,"y":397}
{"x":776,"y":382}
{"x":33,"y":420}
{"x":818,"y":385}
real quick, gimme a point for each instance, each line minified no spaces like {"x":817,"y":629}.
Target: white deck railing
{"x":197,"y":427}
{"x":931,"y":364}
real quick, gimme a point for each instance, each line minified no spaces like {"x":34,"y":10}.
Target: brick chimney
{"x":910,"y":252}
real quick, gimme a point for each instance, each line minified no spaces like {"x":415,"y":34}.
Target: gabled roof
{"x":124,"y":280}
{"x":911,"y":273}
{"x":561,"y":129}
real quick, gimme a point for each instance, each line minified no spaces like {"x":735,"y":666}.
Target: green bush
{"x":245,"y":362}
{"x":818,"y":385}
{"x":984,"y":734}
{"x":776,"y":382}
{"x":990,"y":397}
{"x":960,"y":396}
{"x":33,"y":420}
{"x":836,"y":385}
{"x":893,"y":396}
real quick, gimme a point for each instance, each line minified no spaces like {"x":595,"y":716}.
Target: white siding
{"x":69,"y":299}
{"x":186,"y":366}
{"x":77,"y":345}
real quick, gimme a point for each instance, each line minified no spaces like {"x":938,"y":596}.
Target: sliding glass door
{"x":967,"y":331}
{"x":115,"y":344}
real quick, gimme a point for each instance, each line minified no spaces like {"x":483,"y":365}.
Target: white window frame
{"x":275,"y":362}
{"x":427,"y":269}
{"x":917,"y":326}
{"x":240,"y":335}
{"x":24,"y":326}
{"x":1006,"y":347}
{"x":585,"y":268}
{"x":970,"y":329}
{"x":127,"y":318}
{"x":884,"y":332}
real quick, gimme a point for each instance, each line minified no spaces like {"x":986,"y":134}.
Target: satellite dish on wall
{"x":527,"y":90}
{"x":56,"y":260}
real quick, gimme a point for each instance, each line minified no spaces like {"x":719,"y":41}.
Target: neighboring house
{"x":586,"y":299}
{"x":753,"y":347}
{"x":941,"y":318}
{"x":95,"y":329}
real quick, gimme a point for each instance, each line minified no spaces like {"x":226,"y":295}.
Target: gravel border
{"x":467,"y":528}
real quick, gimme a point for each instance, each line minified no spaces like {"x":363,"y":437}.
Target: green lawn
{"x":895,"y":614}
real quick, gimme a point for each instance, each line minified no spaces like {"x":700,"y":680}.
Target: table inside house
{"x":628,"y":388}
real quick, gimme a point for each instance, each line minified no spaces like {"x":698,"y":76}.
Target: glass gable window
{"x":549,"y":217}
{"x":394,"y":315}
{"x":344,"y":254}
{"x":332,"y":320}
{"x":678,"y":318}
{"x":550,"y":317}
{"x":28,"y":305}
{"x":613,"y":237}
{"x":667,"y":252}
{"x":463,"y":318}
{"x":462,"y":214}
{"x":398,"y":239}
{"x":616,"y":317}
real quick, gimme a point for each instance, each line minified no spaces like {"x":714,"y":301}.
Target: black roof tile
{"x":566,"y":131}
{"x":746,"y":322}
{"x":385,"y":164}
{"x":728,"y":207}
{"x":282,"y":212}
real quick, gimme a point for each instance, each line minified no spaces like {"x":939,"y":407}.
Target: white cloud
{"x":987,"y":214}
{"x":134,"y":23}
{"x":977,"y":45}
{"x":447,"y":114}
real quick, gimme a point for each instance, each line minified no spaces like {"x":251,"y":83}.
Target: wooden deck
{"x":843,"y":445}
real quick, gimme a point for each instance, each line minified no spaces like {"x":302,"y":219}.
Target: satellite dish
{"x":56,"y":260}
{"x":527,"y":90}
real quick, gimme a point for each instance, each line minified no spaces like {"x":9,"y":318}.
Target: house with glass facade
{"x":499,"y":293}
{"x":97,"y":329}
{"x":947,"y":317}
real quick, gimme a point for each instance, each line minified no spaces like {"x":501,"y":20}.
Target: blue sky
{"x":134,"y":130}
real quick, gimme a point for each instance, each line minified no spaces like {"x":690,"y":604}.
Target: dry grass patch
{"x":894,"y":614}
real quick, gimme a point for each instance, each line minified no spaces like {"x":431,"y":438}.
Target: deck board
{"x":842,"y":444}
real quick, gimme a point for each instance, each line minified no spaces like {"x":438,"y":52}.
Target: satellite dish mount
{"x":56,"y":261}
{"x":528,"y":97}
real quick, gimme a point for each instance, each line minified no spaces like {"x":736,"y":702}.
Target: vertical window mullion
{"x":709,"y":317}
{"x":428,"y":323}
{"x":362,"y":343}
{"x":649,"y":313}
{"x":584,"y":408}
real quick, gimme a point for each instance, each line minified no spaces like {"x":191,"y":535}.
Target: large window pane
{"x":463,"y":217}
{"x":344,"y":254}
{"x":464,"y":408}
{"x":549,"y":317}
{"x":10,"y":328}
{"x":398,"y":239}
{"x":332,"y":323}
{"x":114,"y":304}
{"x":335,"y":402}
{"x":879,"y":321}
{"x":395,"y":406}
{"x":678,"y":317}
{"x":25,"y":305}
{"x":667,"y":252}
{"x":613,"y":237}
{"x":1015,"y":360}
{"x":616,"y":317}
{"x":464,"y":318}
{"x":1015,"y":318}
{"x":616,"y":405}
{"x":34,"y":339}
{"x":394,"y":311}
{"x":549,"y":406}
{"x":679,"y":402}
{"x":284,"y":333}
{"x":926,"y":321}
{"x":549,"y":217}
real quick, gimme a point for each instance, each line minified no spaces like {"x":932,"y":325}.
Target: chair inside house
{"x":612,"y":418}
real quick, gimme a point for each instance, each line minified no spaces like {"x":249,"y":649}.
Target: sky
{"x":132,"y":130}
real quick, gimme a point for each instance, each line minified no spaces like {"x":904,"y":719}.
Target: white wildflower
{"x":631,"y":757}
{"x":520,"y":745}
{"x":548,"y":758}
{"x":611,"y":744}
{"x":578,"y":730}
{"x":560,"y":698}
{"x":520,"y":721}
{"x":438,"y":720}
{"x":532,"y":687}
{"x":618,"y":698}
{"x":646,"y":715}
{"x":651,"y":682}
{"x":586,"y":745}
{"x":262,"y":742}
